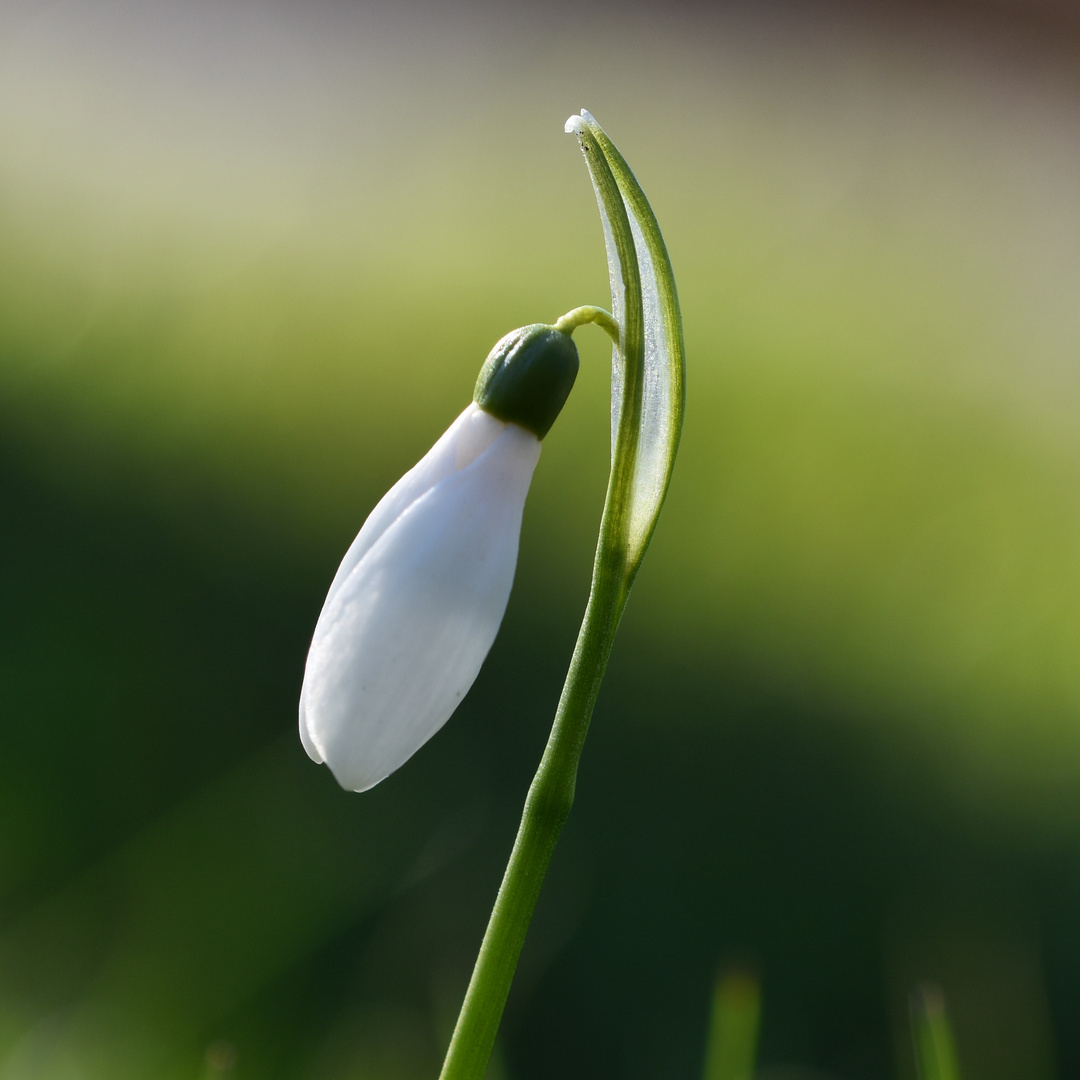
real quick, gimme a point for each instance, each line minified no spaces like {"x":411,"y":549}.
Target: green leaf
{"x":734,"y":1024}
{"x":935,"y":1049}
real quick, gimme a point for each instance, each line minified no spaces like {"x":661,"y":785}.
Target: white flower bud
{"x":417,"y":601}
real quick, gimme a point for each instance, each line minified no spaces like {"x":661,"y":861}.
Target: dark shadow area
{"x":173,"y":861}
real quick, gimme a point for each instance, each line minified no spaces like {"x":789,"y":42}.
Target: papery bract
{"x":649,"y":360}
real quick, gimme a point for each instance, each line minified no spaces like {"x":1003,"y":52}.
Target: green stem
{"x":618,"y":555}
{"x":569,"y":322}
{"x":546,"y":809}
{"x":551,"y":793}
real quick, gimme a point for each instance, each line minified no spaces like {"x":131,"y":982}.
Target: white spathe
{"x":417,"y":601}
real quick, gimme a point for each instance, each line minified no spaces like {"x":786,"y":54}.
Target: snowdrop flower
{"x":417,"y":601}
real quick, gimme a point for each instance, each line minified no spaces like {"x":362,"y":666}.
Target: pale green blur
{"x":878,"y":272}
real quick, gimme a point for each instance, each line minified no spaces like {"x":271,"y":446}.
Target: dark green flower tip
{"x":528,"y":376}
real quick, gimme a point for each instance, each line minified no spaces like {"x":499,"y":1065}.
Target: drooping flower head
{"x":418,"y":599}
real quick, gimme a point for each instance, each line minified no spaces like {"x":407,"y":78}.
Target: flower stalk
{"x":647,"y":411}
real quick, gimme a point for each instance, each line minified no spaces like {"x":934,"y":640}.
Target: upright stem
{"x":629,"y":515}
{"x":547,"y":806}
{"x":551,"y":793}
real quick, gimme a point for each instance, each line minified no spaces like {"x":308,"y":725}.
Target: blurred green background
{"x":252,"y":255}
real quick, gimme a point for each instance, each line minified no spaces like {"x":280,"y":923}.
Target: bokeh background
{"x":252,"y":254}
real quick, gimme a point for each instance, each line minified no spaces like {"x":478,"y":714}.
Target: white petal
{"x":463,"y":441}
{"x":416,"y":605}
